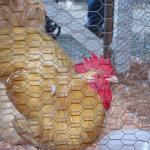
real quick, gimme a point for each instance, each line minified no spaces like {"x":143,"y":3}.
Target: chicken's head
{"x":98,"y":72}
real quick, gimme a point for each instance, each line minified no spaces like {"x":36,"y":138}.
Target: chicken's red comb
{"x":94,"y":63}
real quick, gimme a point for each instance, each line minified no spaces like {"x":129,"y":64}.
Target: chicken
{"x":61,"y":103}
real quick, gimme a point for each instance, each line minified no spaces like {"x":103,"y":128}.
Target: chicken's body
{"x":71,"y":118}
{"x":59,"y":106}
{"x":60,"y":109}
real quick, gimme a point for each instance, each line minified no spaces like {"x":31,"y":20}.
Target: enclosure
{"x":80,"y":121}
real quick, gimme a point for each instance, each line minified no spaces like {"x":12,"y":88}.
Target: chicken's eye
{"x":98,"y":75}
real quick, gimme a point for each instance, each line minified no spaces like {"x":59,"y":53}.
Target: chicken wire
{"x":131,"y":33}
{"x":127,"y":123}
{"x":131,"y":49}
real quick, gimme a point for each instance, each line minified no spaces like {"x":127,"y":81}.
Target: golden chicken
{"x":62,"y":110}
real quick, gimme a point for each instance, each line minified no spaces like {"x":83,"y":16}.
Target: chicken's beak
{"x":113,"y":79}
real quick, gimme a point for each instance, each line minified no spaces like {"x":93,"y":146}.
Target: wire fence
{"x":127,"y":123}
{"x":131,"y":32}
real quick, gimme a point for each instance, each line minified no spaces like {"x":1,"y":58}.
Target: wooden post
{"x":108,"y":28}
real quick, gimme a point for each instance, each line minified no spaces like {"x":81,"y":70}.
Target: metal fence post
{"x":108,"y":22}
{"x":122,"y":34}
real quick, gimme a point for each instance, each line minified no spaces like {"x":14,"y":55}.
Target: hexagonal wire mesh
{"x":67,"y":122}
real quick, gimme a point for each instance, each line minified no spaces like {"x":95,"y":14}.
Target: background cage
{"x":131,"y":56}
